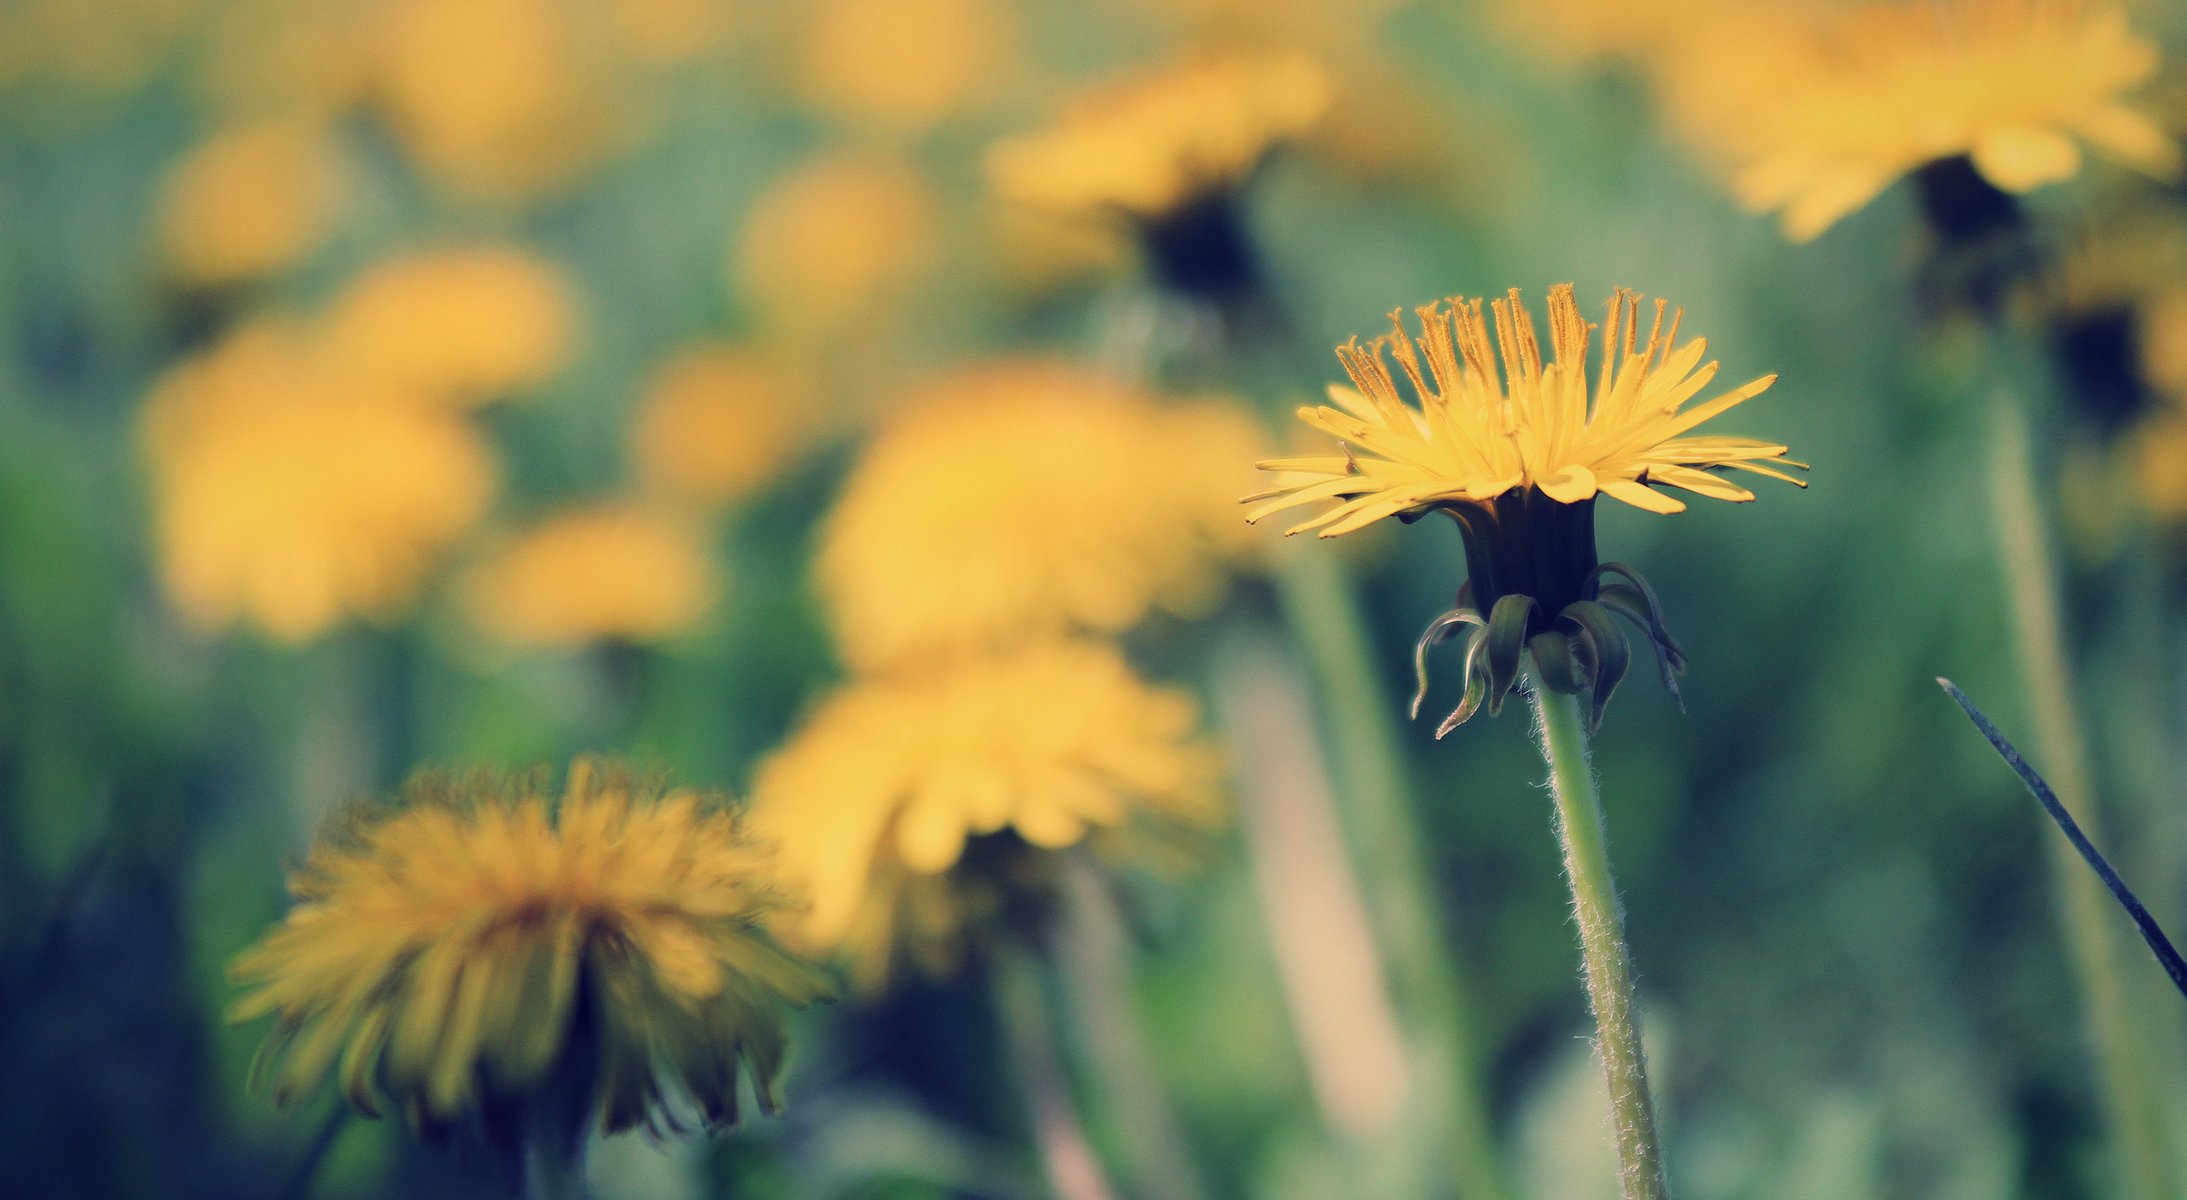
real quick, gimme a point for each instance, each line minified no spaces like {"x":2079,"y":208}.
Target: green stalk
{"x":2140,"y":1146}
{"x":1321,"y":609}
{"x":1067,"y":1157}
{"x":1602,"y":942}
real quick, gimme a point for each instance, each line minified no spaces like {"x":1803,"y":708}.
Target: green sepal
{"x":1506,"y":646}
{"x":1437,"y":631}
{"x":1558,"y":664}
{"x":1612,"y":652}
{"x":1476,"y":686}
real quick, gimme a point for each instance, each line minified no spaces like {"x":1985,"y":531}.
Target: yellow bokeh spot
{"x":595,"y":573}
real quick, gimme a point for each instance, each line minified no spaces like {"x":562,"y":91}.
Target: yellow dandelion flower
{"x":1881,"y":91}
{"x":904,"y":65}
{"x":719,"y":421}
{"x":496,"y":99}
{"x":485,"y":943}
{"x":1149,"y":145}
{"x":291,"y":496}
{"x":1517,"y":456}
{"x":833,"y":241}
{"x":2164,"y":342}
{"x":672,"y":31}
{"x":472,"y":325}
{"x":1024,"y":497}
{"x":601,"y":572}
{"x":910,"y":806}
{"x":249,"y":202}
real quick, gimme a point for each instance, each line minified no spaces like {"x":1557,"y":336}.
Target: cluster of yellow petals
{"x":717,"y":421}
{"x":292,"y":495}
{"x":1150,"y":144}
{"x":1029,"y":497}
{"x":873,"y":802}
{"x":1476,"y":431}
{"x":472,"y":325}
{"x":1818,"y":112}
{"x":440,"y":952}
{"x":595,"y":573}
{"x":249,"y":201}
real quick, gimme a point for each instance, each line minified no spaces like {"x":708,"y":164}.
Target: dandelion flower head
{"x":904,"y":65}
{"x":883,"y":801}
{"x":248,"y":202}
{"x":487,"y":940}
{"x":717,"y":421}
{"x":472,"y":325}
{"x":292,"y":496}
{"x":600,"y":572}
{"x":834,"y":241}
{"x":1027,"y":496}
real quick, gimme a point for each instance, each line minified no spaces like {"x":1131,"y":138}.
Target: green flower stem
{"x":1602,"y":941}
{"x":1067,"y":1155}
{"x":1319,"y":605}
{"x":1093,"y":954}
{"x":2135,"y":1107}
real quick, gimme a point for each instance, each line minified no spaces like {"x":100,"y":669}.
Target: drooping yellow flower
{"x":1475,"y":433}
{"x":472,"y":325}
{"x":1026,"y":497}
{"x":1148,"y":145}
{"x":905,"y":65}
{"x":833,"y":241}
{"x":1516,"y":451}
{"x":910,"y":806}
{"x":249,"y":202}
{"x":601,"y":572}
{"x":1869,"y":95}
{"x":486,"y":940}
{"x":292,"y":496}
{"x":717,"y":421}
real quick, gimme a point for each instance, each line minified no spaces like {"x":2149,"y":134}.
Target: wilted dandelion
{"x":718,"y":421}
{"x":1028,"y":497}
{"x":917,"y":813}
{"x":605,"y":572}
{"x":292,"y":496}
{"x":249,"y":202}
{"x":472,"y":325}
{"x":490,"y":951}
{"x":1866,"y":96}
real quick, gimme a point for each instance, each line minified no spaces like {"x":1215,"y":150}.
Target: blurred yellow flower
{"x":249,"y":201}
{"x":497,"y":99}
{"x":601,"y":572}
{"x":471,"y":325}
{"x":2160,"y":464}
{"x":829,"y":243}
{"x":906,"y":805}
{"x":1027,"y":497}
{"x":292,"y":496}
{"x":904,"y":65}
{"x":485,"y":939}
{"x":294,"y":58}
{"x":672,"y":31}
{"x":1473,"y":435}
{"x":718,"y":421}
{"x":2164,"y":342}
{"x":1871,"y":94}
{"x":100,"y":46}
{"x":1153,"y":143}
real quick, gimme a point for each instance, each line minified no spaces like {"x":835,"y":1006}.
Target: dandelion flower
{"x":1026,"y":497}
{"x":910,"y":806}
{"x":292,"y":496}
{"x":1878,"y":92}
{"x":904,"y":65}
{"x":486,"y":944}
{"x":718,"y":421}
{"x":249,"y":202}
{"x":473,"y":325}
{"x":601,"y":572}
{"x":835,"y":240}
{"x":1517,"y":457}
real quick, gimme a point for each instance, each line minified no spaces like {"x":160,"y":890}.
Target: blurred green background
{"x":1839,"y":904}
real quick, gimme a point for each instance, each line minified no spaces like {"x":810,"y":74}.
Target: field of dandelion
{"x":648,"y":599}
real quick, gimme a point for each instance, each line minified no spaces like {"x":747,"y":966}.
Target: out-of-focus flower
{"x":833,"y":241}
{"x":1038,"y":252}
{"x":1146,"y":146}
{"x":588,"y":574}
{"x":292,"y":496}
{"x":671,"y":31}
{"x":484,"y":946}
{"x":1857,"y":99}
{"x":908,"y":808}
{"x":904,"y":65}
{"x":100,"y":47}
{"x":471,"y":325}
{"x":1026,"y":497}
{"x":249,"y":202}
{"x":2164,"y":342}
{"x":719,"y":421}
{"x":497,"y":99}
{"x":2160,"y":464}
{"x":1517,"y":457}
{"x":295,"y":58}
